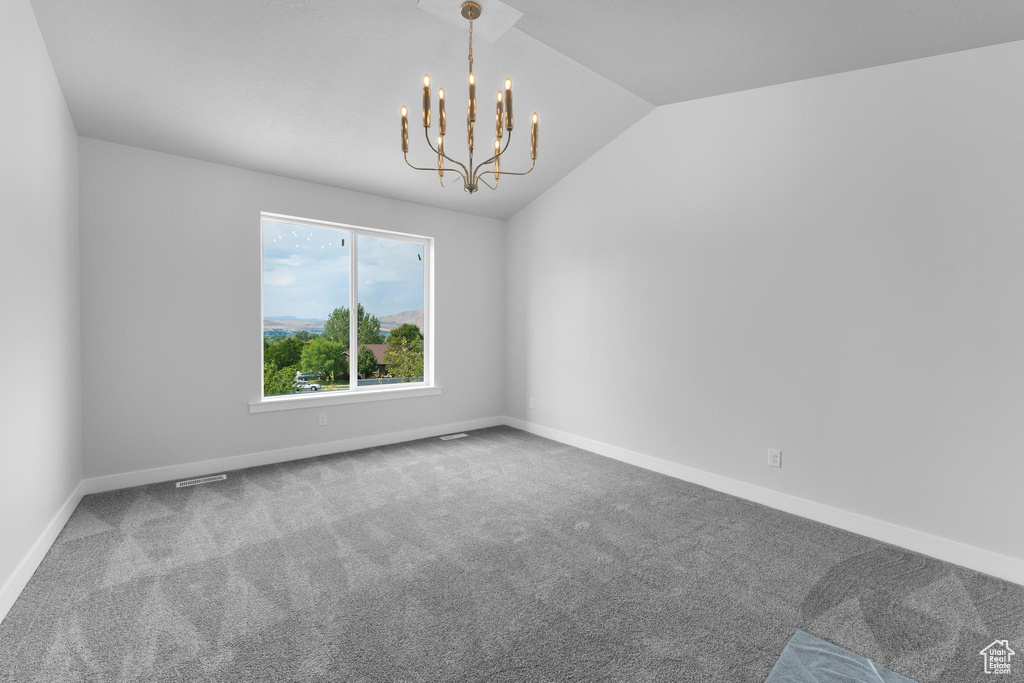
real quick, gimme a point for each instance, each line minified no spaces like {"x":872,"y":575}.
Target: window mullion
{"x":353,"y":315}
{"x":428,"y":314}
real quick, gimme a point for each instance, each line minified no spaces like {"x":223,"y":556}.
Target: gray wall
{"x":171,"y":311}
{"x":40,"y":407}
{"x":831,"y":267}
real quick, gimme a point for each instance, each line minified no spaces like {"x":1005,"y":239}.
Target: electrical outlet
{"x":323,"y":419}
{"x":774,"y":458}
{"x":531,"y":404}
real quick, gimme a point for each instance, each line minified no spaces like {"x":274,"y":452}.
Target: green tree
{"x":404,"y":358}
{"x":284,"y":352}
{"x":367,"y":362}
{"x":325,"y":358}
{"x":304,"y":335}
{"x":278,"y":381}
{"x":406,"y":331}
{"x":337,"y":326}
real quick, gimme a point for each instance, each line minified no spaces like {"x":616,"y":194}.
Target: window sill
{"x":333,"y":398}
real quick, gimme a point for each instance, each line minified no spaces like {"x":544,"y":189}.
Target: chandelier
{"x":471,"y":176}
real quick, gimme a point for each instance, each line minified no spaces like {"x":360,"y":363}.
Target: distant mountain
{"x":290,"y":324}
{"x":390,"y":322}
{"x":292,"y":318}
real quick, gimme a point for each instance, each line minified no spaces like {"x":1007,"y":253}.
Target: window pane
{"x":391,"y":305}
{"x":305,"y":308}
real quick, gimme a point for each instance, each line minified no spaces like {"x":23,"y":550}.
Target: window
{"x":329,"y":289}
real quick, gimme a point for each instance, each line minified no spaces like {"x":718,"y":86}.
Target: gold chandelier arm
{"x":435,"y":170}
{"x":426,"y":134}
{"x":508,"y":141}
{"x":493,"y":187}
{"x":504,"y":172}
{"x":441,"y":180}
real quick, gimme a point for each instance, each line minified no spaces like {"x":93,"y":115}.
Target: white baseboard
{"x":23,"y":572}
{"x":978,"y":559}
{"x":237,"y":462}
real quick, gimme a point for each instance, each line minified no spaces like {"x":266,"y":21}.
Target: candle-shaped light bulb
{"x":405,"y":130}
{"x":472,"y":97}
{"x":440,"y":156}
{"x":498,"y":116}
{"x":533,"y":138}
{"x":426,"y":100}
{"x":497,"y":159}
{"x":508,"y":104}
{"x":442,"y":120}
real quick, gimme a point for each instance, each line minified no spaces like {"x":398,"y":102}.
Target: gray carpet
{"x":501,"y":557}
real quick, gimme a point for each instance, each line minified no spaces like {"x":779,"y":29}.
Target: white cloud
{"x":278,"y":278}
{"x":293,"y":261}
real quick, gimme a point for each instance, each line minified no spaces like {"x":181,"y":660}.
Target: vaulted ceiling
{"x":311,"y":89}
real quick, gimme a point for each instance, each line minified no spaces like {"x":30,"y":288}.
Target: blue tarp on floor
{"x":807,"y":659}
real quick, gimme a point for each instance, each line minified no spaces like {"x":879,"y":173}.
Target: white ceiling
{"x":311,"y":89}
{"x":674,"y":50}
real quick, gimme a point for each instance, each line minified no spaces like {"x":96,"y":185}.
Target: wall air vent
{"x":449,"y":437}
{"x":200,"y":480}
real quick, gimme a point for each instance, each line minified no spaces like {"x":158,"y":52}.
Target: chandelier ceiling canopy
{"x":472,"y":176}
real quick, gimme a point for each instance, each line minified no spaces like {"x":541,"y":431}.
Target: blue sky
{"x":305,"y":272}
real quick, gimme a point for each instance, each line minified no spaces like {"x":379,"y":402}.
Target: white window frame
{"x":356,"y":393}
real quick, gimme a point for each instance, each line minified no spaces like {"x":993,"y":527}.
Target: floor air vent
{"x":449,"y":437}
{"x":200,"y":480}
